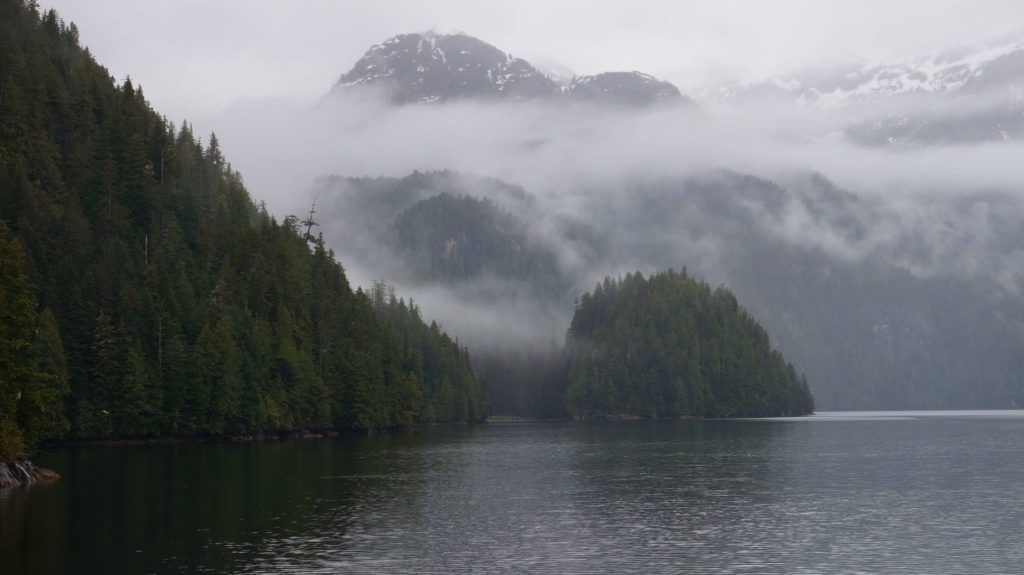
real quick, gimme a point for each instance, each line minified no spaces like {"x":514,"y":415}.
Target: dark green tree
{"x":670,"y":346}
{"x":146,"y":294}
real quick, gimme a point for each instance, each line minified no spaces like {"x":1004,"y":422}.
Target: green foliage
{"x":33,"y":376}
{"x":461,"y":237}
{"x":440,"y":366}
{"x":152,"y":296}
{"x":41,"y":408}
{"x":671,"y":346}
{"x":17,"y":318}
{"x":467,"y":234}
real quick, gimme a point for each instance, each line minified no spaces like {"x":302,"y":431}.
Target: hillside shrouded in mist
{"x":899,"y":289}
{"x":867,"y":215}
{"x":583,"y":286}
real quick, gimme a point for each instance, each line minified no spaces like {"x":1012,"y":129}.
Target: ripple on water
{"x":837,"y":493}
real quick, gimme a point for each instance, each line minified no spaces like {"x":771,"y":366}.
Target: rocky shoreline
{"x":21,"y":471}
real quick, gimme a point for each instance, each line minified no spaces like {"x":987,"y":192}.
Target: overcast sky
{"x":196,"y":57}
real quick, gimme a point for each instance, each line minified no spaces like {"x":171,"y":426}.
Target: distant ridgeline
{"x":868,"y":332}
{"x":430,"y":67}
{"x":671,"y":346}
{"x":142,"y":293}
{"x":461,"y":237}
{"x":443,"y":238}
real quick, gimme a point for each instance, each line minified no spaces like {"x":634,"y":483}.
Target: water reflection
{"x":873,"y":494}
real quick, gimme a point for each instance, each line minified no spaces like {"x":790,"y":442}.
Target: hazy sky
{"x":196,"y":57}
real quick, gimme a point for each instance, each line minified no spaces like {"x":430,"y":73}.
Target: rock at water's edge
{"x":21,"y":471}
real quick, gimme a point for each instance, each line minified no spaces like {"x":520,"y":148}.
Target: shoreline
{"x":265,"y":436}
{"x":20,"y":471}
{"x":182,"y":439}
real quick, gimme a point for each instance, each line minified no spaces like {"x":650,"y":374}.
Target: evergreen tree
{"x":17,"y":321}
{"x":143,"y":293}
{"x":669,"y":346}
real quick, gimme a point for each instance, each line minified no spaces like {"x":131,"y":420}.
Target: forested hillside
{"x":455,"y":238}
{"x":883,"y":307}
{"x":143,"y":293}
{"x":671,"y":346}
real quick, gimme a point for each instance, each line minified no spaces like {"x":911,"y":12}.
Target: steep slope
{"x":160,"y":299}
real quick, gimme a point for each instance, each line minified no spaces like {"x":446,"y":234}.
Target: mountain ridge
{"x":965,"y":95}
{"x":881,"y":309}
{"x":432,"y":67}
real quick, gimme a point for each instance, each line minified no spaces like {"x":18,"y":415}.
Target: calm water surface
{"x":835,"y":493}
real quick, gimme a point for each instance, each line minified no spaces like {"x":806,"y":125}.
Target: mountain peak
{"x":436,"y":66}
{"x":442,"y":66}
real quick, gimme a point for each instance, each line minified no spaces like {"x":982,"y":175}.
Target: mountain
{"x":416,"y":219}
{"x":966,"y":72}
{"x":144,"y":294}
{"x":467,"y":243}
{"x":881,"y":307}
{"x":958,"y":96}
{"x":431,"y":67}
{"x":457,"y":238}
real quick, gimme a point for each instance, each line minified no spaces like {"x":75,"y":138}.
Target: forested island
{"x":670,"y":346}
{"x":144,"y":294}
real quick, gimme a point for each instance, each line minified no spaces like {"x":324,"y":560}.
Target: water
{"x":835,"y":493}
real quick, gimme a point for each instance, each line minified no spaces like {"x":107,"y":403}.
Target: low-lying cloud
{"x":931,"y":210}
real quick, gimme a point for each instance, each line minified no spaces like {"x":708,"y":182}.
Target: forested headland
{"x":143,"y":293}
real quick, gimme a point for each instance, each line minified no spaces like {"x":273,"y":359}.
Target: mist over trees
{"x":462,"y":237}
{"x":875,"y":305}
{"x":148,"y":294}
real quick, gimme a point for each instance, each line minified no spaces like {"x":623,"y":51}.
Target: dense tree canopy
{"x":451,"y":238}
{"x":144,"y":294}
{"x":671,"y":346}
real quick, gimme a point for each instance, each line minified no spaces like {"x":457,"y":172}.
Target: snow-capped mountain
{"x":963,"y":72}
{"x":431,"y":67}
{"x":968,"y":95}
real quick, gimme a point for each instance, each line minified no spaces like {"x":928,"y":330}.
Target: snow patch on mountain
{"x":434,"y":66}
{"x":951,"y":72}
{"x":962,"y":96}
